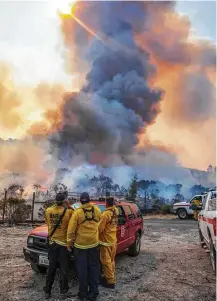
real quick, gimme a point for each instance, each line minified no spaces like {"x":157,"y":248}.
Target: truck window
{"x":121,"y":216}
{"x":212,"y":202}
{"x":120,"y":211}
{"x":129,"y":212}
{"x":136,"y":210}
{"x":212,"y":205}
{"x":204,"y":203}
{"x":213,"y":196}
{"x":197,"y":198}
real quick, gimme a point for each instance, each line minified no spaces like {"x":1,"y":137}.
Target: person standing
{"x":83,"y":234}
{"x":57,"y":219}
{"x":196,"y":207}
{"x":108,"y":242}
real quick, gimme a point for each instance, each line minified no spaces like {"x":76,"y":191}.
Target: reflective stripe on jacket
{"x":108,"y":227}
{"x":52,"y":214}
{"x":83,"y":227}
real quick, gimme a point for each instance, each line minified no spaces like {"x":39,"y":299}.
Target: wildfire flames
{"x":144,"y":85}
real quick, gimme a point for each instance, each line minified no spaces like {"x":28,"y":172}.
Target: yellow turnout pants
{"x":196,"y":212}
{"x":107,"y":258}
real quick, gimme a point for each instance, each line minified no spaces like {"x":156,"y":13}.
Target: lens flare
{"x":65,"y":6}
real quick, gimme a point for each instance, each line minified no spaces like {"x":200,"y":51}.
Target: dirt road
{"x":171,"y":267}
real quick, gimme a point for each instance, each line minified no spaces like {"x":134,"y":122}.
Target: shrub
{"x":166,"y":208}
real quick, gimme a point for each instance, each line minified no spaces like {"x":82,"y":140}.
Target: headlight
{"x":30,"y":240}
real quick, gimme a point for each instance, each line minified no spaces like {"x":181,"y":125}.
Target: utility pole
{"x":145,"y":201}
{"x":33,"y":205}
{"x":4,"y":205}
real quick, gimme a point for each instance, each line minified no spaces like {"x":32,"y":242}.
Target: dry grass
{"x":159,"y":216}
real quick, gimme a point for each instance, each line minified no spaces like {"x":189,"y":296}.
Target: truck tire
{"x":38,"y":269}
{"x":182,"y":213}
{"x":212,"y":255}
{"x":134,"y":250}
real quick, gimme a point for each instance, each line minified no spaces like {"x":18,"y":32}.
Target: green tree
{"x":133,"y":189}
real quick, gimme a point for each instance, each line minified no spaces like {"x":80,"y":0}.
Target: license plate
{"x":43,"y":260}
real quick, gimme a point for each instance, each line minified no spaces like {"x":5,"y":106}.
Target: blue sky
{"x":32,"y":42}
{"x":202,"y":15}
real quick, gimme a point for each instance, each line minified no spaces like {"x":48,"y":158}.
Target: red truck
{"x":129,"y":233}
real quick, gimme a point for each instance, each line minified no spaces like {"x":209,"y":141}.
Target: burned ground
{"x":170,"y":267}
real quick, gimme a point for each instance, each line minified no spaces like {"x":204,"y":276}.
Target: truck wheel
{"x":182,"y":213}
{"x":134,"y":250}
{"x":38,"y":269}
{"x":212,"y":255}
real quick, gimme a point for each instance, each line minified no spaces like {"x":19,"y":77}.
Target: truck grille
{"x":40,"y":243}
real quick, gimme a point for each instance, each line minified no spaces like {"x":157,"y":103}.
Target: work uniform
{"x":108,"y":242}
{"x":196,"y":203}
{"x":84,"y":235}
{"x":58,"y":252}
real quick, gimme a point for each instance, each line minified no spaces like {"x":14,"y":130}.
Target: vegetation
{"x":41,"y":211}
{"x":166,"y":208}
{"x":150,"y":195}
{"x":16,"y":210}
{"x":133,"y":189}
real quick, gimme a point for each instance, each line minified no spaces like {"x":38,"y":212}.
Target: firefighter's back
{"x":88,"y":217}
{"x":52,"y":214}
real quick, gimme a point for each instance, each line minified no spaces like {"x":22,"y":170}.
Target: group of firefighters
{"x":91,"y":236}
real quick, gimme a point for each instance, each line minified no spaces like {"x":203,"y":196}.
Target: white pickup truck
{"x":182,"y":209}
{"x":207,"y":225}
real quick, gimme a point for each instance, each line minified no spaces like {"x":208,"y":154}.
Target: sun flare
{"x":65,"y":6}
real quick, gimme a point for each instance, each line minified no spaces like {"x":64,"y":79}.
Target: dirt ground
{"x":171,"y":267}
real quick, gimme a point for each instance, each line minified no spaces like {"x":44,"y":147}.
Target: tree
{"x":197,"y":189}
{"x":133,"y":189}
{"x":17,"y":210}
{"x":41,"y":211}
{"x":178,"y":198}
{"x":102,"y":184}
{"x":123,"y":191}
{"x":59,"y":187}
{"x":15,"y":191}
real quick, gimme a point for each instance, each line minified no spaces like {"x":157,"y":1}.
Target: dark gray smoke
{"x":102,"y":122}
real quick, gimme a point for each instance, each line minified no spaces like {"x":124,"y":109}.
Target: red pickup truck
{"x":129,"y":233}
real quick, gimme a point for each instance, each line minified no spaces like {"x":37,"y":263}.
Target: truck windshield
{"x":100,"y":206}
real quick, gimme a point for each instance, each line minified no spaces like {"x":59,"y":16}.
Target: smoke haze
{"x":146,"y":100}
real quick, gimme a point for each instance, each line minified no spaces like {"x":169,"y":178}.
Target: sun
{"x":65,"y":6}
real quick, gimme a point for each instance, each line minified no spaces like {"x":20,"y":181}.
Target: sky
{"x":202,"y":15}
{"x":30,"y":39}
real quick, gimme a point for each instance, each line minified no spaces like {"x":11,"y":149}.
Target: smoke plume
{"x":116,"y":102}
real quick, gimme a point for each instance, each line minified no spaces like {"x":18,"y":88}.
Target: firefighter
{"x":83,"y":234}
{"x":108,"y":243}
{"x":57,"y":219}
{"x":196,"y":205}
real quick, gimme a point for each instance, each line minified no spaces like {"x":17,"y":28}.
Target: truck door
{"x":122,"y":231}
{"x":202,"y":218}
{"x":131,"y":223}
{"x":195,"y":198}
{"x":209,"y":216}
